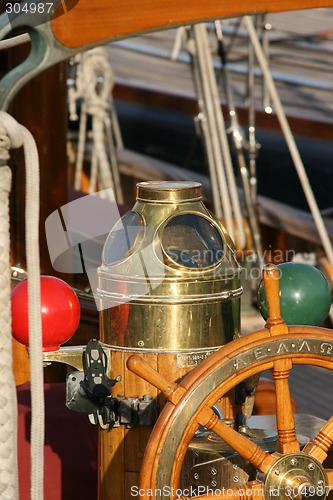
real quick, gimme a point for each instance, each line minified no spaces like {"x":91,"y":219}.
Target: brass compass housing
{"x":169,"y":278}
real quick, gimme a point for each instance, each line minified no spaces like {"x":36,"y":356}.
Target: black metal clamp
{"x":90,"y":392}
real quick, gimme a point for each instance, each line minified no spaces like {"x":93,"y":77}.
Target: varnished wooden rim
{"x":205,"y":385}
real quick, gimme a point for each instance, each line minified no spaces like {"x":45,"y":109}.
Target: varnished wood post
{"x":271,"y":277}
{"x":275,"y":322}
{"x":121,"y":450}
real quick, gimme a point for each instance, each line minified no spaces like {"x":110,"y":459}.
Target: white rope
{"x":216,"y":141}
{"x":222,"y":134}
{"x":8,"y":415}
{"x":179,"y":40}
{"x":16,"y":136}
{"x":220,"y":174}
{"x":14,"y":41}
{"x":290,"y":140}
{"x":94,"y":84}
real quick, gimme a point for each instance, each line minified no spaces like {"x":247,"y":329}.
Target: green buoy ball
{"x":305,"y":295}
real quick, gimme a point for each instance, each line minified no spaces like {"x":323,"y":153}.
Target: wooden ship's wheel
{"x":290,"y":472}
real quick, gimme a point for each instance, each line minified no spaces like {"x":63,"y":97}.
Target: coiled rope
{"x":94,"y":85}
{"x":14,"y":135}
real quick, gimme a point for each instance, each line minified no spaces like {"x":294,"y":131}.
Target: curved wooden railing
{"x":77,"y":25}
{"x":90,"y":22}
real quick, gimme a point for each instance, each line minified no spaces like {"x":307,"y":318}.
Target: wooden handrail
{"x":103,"y":20}
{"x":87,"y":24}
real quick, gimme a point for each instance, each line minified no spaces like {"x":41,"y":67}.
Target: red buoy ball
{"x":60,"y":312}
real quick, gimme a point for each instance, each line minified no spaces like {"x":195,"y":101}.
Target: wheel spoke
{"x":242,"y":445}
{"x":192,"y":402}
{"x":287,"y":441}
{"x":320,"y":445}
{"x":140,"y":367}
{"x":249,"y":491}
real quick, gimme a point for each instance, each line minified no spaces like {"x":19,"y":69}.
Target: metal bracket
{"x":89,"y":392}
{"x":114,"y":411}
{"x":45,"y":50}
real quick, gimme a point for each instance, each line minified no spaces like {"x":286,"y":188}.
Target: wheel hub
{"x":296,"y":476}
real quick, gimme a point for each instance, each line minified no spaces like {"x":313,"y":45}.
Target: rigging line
{"x":201,"y":121}
{"x":237,"y":138}
{"x":290,"y":140}
{"x":221,"y":135}
{"x":14,"y":130}
{"x":94,"y":84}
{"x":219,"y":176}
